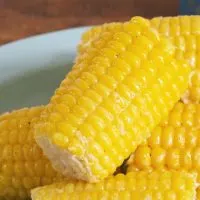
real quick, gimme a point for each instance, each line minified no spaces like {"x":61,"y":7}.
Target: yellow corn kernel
{"x":80,"y":152}
{"x":141,"y":185}
{"x":172,"y":145}
{"x":22,"y":163}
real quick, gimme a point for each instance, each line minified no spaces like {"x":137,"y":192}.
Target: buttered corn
{"x":135,"y":185}
{"x":22,"y":163}
{"x":116,"y":93}
{"x":183,"y":31}
{"x":175,"y":144}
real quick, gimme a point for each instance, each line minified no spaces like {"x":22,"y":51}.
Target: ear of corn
{"x":173,"y":145}
{"x":184,"y":32}
{"x":135,"y":185}
{"x":22,"y":163}
{"x":108,"y":103}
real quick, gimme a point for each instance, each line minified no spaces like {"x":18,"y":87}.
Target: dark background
{"x":22,"y":18}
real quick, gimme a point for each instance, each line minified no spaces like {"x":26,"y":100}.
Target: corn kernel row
{"x":22,"y":163}
{"x":87,"y":128}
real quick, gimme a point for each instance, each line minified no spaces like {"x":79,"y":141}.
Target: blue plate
{"x":31,"y":69}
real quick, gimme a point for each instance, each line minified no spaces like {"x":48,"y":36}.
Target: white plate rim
{"x":41,"y":50}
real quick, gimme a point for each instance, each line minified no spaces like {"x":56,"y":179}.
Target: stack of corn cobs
{"x":131,"y":100}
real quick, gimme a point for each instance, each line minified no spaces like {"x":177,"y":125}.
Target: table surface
{"x":22,"y":18}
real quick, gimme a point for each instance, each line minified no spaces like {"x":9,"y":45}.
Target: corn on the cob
{"x":108,"y":103}
{"x":184,"y":32}
{"x":173,"y":145}
{"x":22,"y":163}
{"x":168,"y":185}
